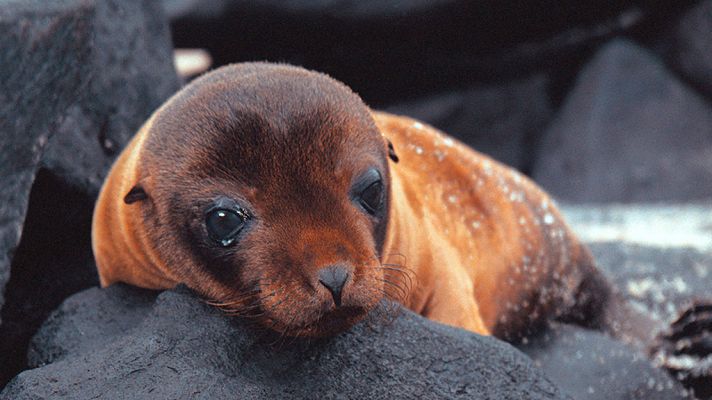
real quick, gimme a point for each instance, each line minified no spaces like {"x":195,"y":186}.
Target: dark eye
{"x":224,"y":225}
{"x":372,"y":197}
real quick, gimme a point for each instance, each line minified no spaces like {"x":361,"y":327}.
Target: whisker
{"x":402,"y":291}
{"x":405,"y":259}
{"x":244,"y":311}
{"x":242,"y":300}
{"x":405,"y":273}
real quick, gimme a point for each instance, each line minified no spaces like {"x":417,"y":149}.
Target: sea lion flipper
{"x":685,"y":348}
{"x":691,"y":333}
{"x":135,"y":194}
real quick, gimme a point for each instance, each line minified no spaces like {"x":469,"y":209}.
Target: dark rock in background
{"x":688,"y":47}
{"x":588,"y":365}
{"x":132,"y":66}
{"x":120,"y":342}
{"x":53,"y":261}
{"x":103,"y":67}
{"x":391,"y":51}
{"x":43,"y":54}
{"x":629,"y":131}
{"x":435,"y":60}
{"x":501,"y":120}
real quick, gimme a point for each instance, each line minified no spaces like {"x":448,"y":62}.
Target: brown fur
{"x":462,"y":240}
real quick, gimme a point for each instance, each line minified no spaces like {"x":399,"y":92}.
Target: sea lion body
{"x":460,"y":238}
{"x":490,"y":250}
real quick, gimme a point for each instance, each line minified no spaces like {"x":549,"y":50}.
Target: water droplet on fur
{"x":516,"y":196}
{"x":487,"y":167}
{"x":548,"y":219}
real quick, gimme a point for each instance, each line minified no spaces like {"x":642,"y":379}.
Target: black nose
{"x":334,"y":278}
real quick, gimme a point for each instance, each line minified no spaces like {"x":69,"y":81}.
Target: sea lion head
{"x":266,"y":189}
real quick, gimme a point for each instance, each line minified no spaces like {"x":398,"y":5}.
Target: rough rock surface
{"x":42,"y":72}
{"x":619,"y":136}
{"x":132,"y":75}
{"x":588,"y":365}
{"x":501,"y":119}
{"x":122,"y":342}
{"x":103,"y":67}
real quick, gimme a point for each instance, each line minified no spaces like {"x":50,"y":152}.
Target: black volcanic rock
{"x":628,"y":131}
{"x":688,"y":47}
{"x":132,"y":74}
{"x":43,"y":54}
{"x":78,"y":80}
{"x":589,"y":365}
{"x":390,"y":50}
{"x":126,"y":343}
{"x":503,"y":120}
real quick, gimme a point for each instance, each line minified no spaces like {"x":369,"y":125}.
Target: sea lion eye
{"x":368,"y":191}
{"x":223,"y":225}
{"x":372,"y":197}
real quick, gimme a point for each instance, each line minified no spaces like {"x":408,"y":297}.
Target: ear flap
{"x":135,"y":194}
{"x":392,"y":152}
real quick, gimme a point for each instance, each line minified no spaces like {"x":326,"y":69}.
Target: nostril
{"x":334,"y":278}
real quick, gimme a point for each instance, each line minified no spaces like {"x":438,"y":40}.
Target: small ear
{"x":392,"y":152}
{"x":135,"y":194}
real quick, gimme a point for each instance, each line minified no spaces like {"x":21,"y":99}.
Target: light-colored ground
{"x":646,"y":225}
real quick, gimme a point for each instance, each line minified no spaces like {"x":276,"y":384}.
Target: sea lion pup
{"x":276,"y":193}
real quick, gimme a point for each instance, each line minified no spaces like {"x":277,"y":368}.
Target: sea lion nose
{"x":334,"y":278}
